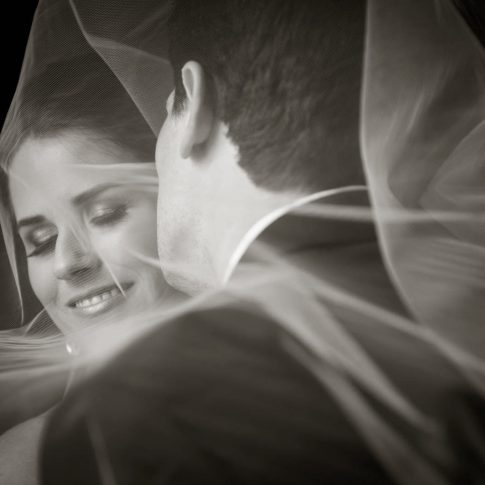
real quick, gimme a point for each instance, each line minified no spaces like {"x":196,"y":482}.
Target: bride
{"x":81,"y":192}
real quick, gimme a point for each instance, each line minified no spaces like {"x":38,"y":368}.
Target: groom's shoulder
{"x":225,"y":376}
{"x":221,"y":377}
{"x":247,"y":334}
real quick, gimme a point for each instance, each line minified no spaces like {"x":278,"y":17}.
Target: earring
{"x":72,"y":350}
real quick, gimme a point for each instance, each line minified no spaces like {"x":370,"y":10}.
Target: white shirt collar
{"x":265,"y":222}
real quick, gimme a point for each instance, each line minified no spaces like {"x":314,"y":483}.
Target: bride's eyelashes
{"x":107,"y":215}
{"x":43,"y":248}
{"x":42,"y":240}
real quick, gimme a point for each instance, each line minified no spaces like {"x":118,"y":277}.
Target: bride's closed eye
{"x":107,"y":215}
{"x":41,"y":240}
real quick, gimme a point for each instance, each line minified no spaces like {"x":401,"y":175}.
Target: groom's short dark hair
{"x":285,"y":76}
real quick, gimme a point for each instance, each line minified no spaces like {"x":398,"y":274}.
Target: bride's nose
{"x":74,"y":259}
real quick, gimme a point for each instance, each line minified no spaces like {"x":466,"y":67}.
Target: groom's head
{"x":265,"y":108}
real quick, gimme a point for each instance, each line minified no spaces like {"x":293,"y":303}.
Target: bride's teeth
{"x":97,"y":298}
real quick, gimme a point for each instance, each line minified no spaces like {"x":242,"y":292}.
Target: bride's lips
{"x":99,"y":300}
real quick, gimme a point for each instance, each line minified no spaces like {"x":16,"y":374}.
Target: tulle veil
{"x":422,"y":111}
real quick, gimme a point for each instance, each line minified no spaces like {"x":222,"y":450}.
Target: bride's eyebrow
{"x":84,"y":197}
{"x":30,"y":221}
{"x":78,"y":200}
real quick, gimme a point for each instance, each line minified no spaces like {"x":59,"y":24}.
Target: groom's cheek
{"x":161,"y":149}
{"x":167,"y":145}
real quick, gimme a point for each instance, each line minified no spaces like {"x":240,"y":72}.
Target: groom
{"x":262,"y":122}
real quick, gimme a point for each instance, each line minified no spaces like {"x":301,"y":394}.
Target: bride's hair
{"x":78,"y":95}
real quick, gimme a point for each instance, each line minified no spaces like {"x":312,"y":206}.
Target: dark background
{"x":473,"y":12}
{"x":16,"y":20}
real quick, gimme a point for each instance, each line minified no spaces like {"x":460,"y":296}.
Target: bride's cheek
{"x":132,"y":236}
{"x":114,"y":246}
{"x":144,"y":230}
{"x":42,"y":280}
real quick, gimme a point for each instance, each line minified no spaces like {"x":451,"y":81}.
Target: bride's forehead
{"x":69,"y":160}
{"x":57,"y":169}
{"x":37,"y":156}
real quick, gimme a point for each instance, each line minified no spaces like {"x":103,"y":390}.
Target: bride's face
{"x":89,"y":236}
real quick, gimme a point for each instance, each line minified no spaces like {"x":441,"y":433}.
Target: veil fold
{"x":423,"y":111}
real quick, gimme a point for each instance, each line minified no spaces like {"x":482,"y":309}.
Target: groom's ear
{"x":199,"y":114}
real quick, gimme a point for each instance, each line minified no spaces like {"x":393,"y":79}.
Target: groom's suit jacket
{"x":220,"y":396}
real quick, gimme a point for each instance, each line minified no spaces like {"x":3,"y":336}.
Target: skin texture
{"x":77,"y":249}
{"x":206,"y":201}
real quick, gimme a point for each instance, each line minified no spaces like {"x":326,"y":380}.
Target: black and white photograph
{"x":242,"y":242}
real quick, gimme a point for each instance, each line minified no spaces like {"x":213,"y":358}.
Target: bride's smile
{"x":100,"y":300}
